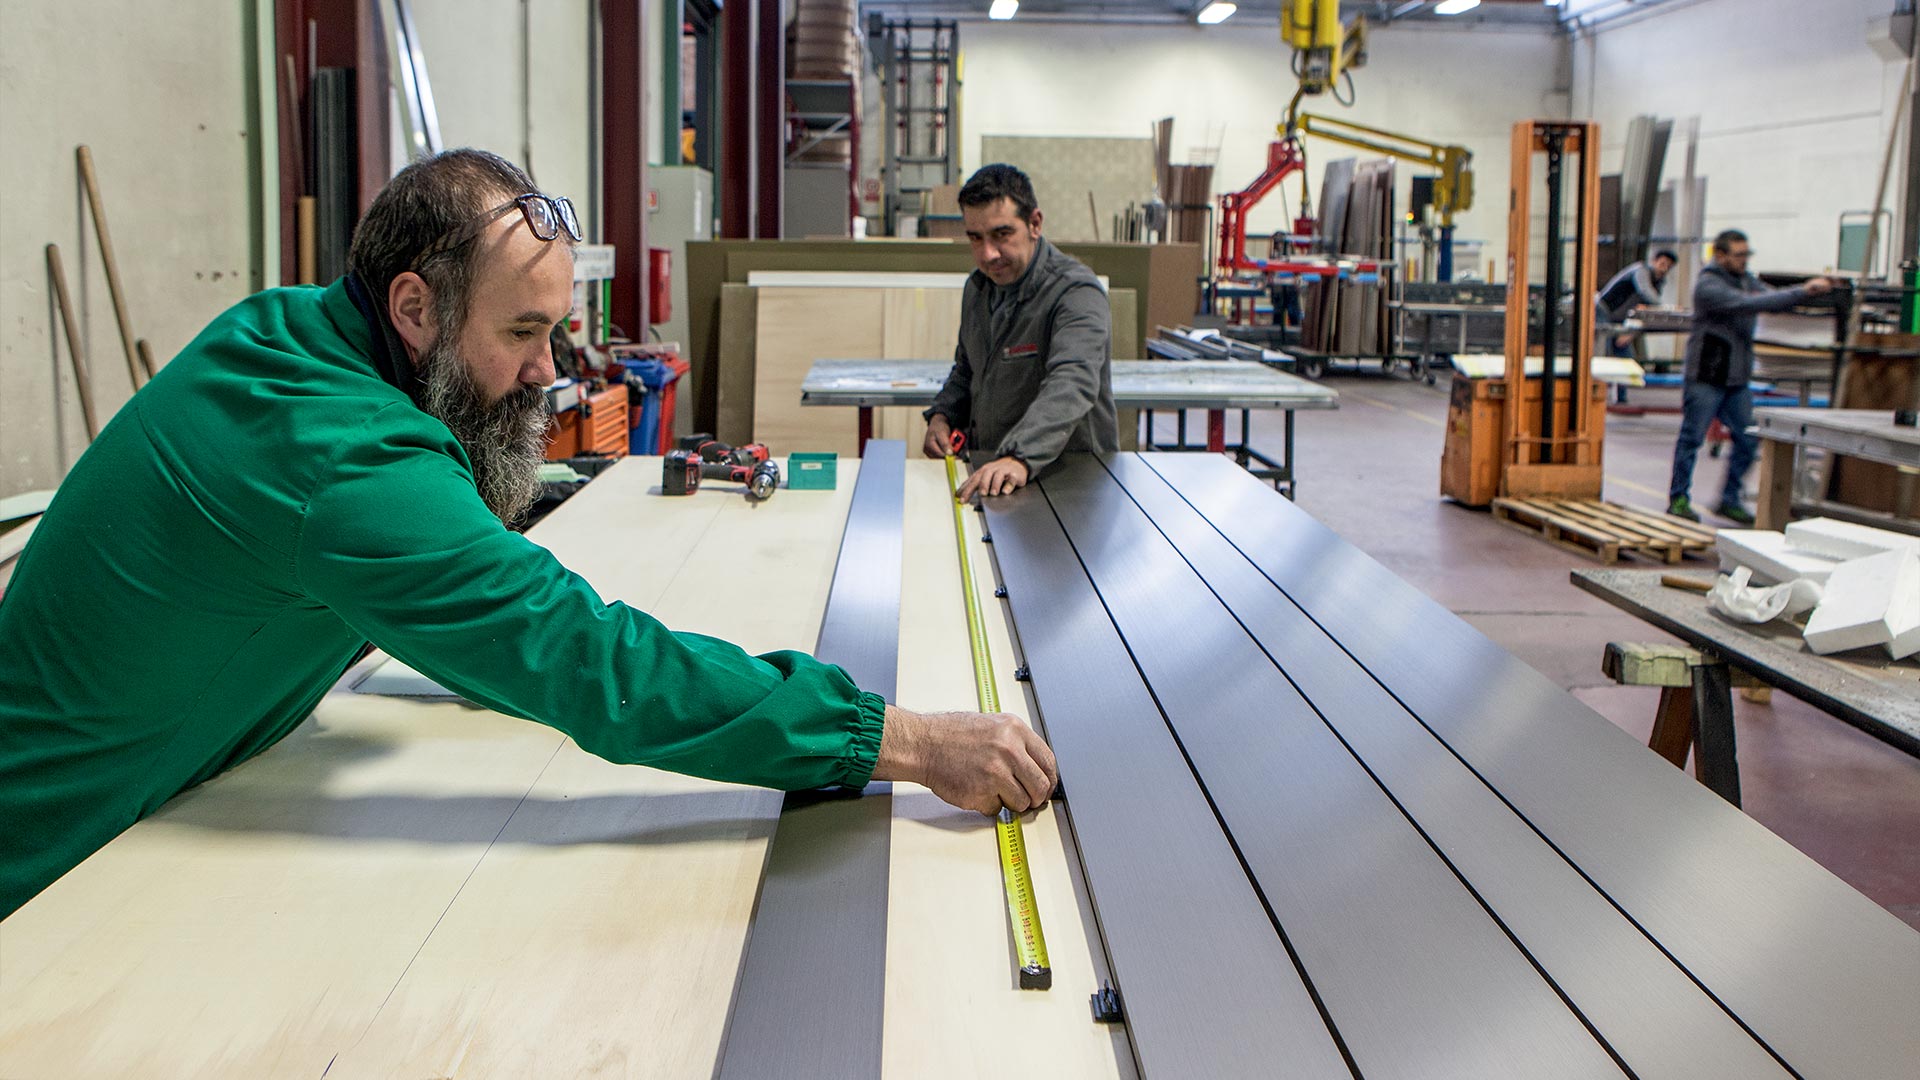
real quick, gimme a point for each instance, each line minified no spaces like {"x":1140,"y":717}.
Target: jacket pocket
{"x":1716,"y":358}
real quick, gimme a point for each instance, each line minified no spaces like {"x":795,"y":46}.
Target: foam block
{"x":1767,"y":554}
{"x":1903,"y":613}
{"x":1846,"y":540}
{"x":1868,"y":601}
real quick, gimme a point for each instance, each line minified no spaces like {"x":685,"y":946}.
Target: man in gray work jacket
{"x":1033,"y":373}
{"x":1727,"y":300}
{"x":1637,"y":285}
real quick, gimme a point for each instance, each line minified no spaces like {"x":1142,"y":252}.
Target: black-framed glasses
{"x":546,"y":218}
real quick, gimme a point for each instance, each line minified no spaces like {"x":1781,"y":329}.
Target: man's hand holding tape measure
{"x":997,"y":477}
{"x":976,"y":761}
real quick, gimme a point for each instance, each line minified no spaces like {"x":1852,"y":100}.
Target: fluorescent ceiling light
{"x":1454,"y":7}
{"x":1004,"y":9}
{"x":1218,"y":11}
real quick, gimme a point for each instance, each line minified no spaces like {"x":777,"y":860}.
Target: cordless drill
{"x":751,"y":465}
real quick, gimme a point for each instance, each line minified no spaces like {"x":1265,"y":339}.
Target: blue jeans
{"x":1734,"y":407}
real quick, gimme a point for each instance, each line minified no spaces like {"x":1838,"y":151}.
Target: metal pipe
{"x":1550,"y":312}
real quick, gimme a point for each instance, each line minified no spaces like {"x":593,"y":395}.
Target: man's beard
{"x":506,"y":440}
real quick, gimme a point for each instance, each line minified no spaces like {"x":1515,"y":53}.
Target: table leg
{"x":1216,"y":431}
{"x":866,"y":427}
{"x":1776,"y":484}
{"x":1673,"y":725}
{"x":1715,"y":758}
{"x":1286,"y":455}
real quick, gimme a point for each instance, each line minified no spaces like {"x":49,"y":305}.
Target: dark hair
{"x":1727,"y":239}
{"x":1663,"y":253}
{"x":426,"y":200}
{"x":995,"y":182}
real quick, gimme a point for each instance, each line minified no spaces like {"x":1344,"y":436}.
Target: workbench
{"x":1868,"y":434}
{"x":1862,"y":687}
{"x":1147,"y":385}
{"x":411,"y":887}
{"x":1311,"y":823}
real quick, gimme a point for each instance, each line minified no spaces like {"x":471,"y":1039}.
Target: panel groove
{"x":1208,"y":987}
{"x":1186,"y":758}
{"x":1810,"y":968}
{"x":1646,"y":997}
{"x":1410,"y":965}
{"x":811,"y":995}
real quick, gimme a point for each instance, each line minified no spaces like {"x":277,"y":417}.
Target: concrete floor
{"x":1371,"y":471}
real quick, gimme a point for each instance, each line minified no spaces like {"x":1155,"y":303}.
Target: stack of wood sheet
{"x":1347,"y":318}
{"x":775,"y":327}
{"x":823,"y":43}
{"x":1189,"y":198}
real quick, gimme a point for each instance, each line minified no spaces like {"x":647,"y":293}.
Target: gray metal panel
{"x":812,"y":990}
{"x":1411,"y":969}
{"x":1656,"y":1019}
{"x":1137,"y":384}
{"x":1818,"y":972}
{"x":1208,"y":986}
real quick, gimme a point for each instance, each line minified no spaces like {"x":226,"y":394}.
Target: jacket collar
{"x":1039,"y":272}
{"x":377,"y":340}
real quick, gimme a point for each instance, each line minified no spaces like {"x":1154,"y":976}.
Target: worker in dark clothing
{"x":1637,"y":285}
{"x":324,"y":467}
{"x":1032,"y":375}
{"x":1284,"y":289}
{"x":1727,"y":300}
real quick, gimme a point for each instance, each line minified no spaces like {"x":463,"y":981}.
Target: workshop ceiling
{"x":1504,"y":12}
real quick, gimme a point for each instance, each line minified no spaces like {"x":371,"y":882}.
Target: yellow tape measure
{"x":1030,"y":943}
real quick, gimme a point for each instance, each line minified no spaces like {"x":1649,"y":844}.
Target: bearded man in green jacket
{"x":323,"y":468}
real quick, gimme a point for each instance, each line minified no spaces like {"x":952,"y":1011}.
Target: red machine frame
{"x":1284,"y":158}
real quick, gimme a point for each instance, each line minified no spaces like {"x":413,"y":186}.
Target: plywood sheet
{"x":1066,"y":169}
{"x":795,"y":327}
{"x":497,"y":882}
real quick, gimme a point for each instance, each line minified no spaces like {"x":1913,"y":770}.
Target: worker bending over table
{"x":1032,"y":375}
{"x":327,"y":467}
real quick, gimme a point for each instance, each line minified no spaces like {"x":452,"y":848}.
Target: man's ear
{"x":1033,"y":222}
{"x":409,"y":306}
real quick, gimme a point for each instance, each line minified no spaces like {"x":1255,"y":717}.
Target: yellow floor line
{"x":1391,"y":407}
{"x":1631,"y":486}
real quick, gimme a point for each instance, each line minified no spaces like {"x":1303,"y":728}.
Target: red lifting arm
{"x":1284,"y":158}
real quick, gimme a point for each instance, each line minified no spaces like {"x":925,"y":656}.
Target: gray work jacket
{"x":1034,"y":378}
{"x":1725,"y":307}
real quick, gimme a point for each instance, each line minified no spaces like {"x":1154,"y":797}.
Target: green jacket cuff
{"x":863,"y":744}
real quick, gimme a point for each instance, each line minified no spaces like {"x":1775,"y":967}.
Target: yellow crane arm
{"x":1452,"y":191}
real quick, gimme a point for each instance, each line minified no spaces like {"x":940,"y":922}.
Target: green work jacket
{"x":264,"y":507}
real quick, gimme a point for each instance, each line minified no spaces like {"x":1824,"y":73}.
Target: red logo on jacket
{"x":1021,"y":352}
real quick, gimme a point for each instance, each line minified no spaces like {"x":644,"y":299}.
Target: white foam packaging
{"x":1868,"y":601}
{"x":1772,"y":560}
{"x":1846,"y":540}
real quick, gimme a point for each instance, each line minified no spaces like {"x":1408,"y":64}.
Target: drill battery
{"x":680,"y":473}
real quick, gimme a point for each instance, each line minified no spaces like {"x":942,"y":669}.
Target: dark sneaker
{"x":1682,"y":507}
{"x":1735,"y":513}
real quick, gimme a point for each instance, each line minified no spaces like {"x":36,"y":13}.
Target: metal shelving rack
{"x":920,"y":98}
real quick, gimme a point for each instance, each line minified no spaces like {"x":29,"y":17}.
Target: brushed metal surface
{"x":811,"y":996}
{"x":1416,"y":976}
{"x":1819,"y":973}
{"x":1659,"y":1022}
{"x":1208,"y":987}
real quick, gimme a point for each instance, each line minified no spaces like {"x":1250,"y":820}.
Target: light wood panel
{"x":921,"y":324}
{"x":530,"y":909}
{"x":953,"y":1006}
{"x":795,"y":327}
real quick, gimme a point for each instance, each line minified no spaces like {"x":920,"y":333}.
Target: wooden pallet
{"x":1604,"y":530}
